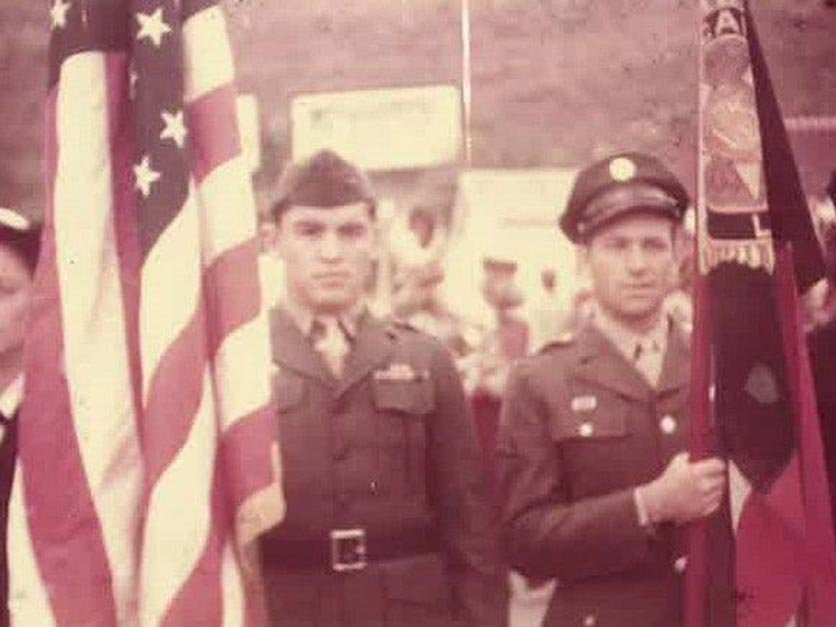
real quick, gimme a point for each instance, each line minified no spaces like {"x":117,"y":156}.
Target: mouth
{"x":639,"y":290}
{"x":331,"y":278}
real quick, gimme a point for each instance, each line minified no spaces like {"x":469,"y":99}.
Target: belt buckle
{"x":348,"y":550}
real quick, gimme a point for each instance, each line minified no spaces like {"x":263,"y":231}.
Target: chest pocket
{"x":412,"y":397}
{"x":592,"y":416}
{"x":594,"y":439}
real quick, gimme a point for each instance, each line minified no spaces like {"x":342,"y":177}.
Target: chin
{"x":334,"y":303}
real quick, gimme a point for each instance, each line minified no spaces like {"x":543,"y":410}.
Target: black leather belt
{"x":345,"y":550}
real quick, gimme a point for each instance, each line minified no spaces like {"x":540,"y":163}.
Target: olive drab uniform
{"x":388,"y":518}
{"x":581,"y":427}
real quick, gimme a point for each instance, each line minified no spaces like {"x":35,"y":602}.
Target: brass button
{"x":680,"y":564}
{"x":590,"y":620}
{"x":668,"y":424}
{"x":586,"y":429}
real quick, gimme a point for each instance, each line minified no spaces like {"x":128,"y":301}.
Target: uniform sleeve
{"x":546,"y":534}
{"x":459,"y":488}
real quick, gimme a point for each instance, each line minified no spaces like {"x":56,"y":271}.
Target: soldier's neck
{"x":640,"y":325}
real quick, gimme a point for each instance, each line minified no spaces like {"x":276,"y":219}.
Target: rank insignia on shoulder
{"x":564,"y":339}
{"x":399,"y":372}
{"x":584,"y":403}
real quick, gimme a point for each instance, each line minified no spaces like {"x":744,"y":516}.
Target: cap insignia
{"x":622,"y":169}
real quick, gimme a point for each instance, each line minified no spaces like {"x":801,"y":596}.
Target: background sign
{"x":381,"y":129}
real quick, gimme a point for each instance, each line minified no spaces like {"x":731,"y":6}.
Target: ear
{"x":376,"y":234}
{"x":582,"y":259}
{"x":271,"y":238}
{"x":683,"y":245}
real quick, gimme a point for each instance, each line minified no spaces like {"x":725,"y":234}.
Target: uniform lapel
{"x":293,"y":351}
{"x":601,"y":363}
{"x":676,"y":367}
{"x":372,"y":347}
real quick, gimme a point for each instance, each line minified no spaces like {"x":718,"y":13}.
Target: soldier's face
{"x":632,"y":263}
{"x":15,"y":294}
{"x":328,"y":254}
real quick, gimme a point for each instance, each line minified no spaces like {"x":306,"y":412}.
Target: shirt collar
{"x":625,"y":340}
{"x":304,"y":318}
{"x":11,"y":397}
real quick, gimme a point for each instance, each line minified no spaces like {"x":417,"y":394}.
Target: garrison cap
{"x":621,"y":184}
{"x":20,"y":234}
{"x":324,"y":179}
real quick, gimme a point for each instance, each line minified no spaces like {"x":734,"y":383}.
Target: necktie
{"x":648,"y":360}
{"x":329,"y":341}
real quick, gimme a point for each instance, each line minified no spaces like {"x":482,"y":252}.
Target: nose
{"x":636,"y":261}
{"x":329,"y":247}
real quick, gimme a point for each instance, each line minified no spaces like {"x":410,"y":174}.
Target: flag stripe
{"x":239,"y":397}
{"x":201,"y":599}
{"x":76,"y":571}
{"x":206,"y":53}
{"x":169,"y":293}
{"x":173,"y":399}
{"x":185,"y":486}
{"x":231,"y":291}
{"x":95,"y":342}
{"x":28,"y":600}
{"x":222,"y":195}
{"x":214,"y":140}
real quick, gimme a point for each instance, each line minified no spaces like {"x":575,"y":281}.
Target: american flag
{"x":148,"y":458}
{"x":769,"y":558}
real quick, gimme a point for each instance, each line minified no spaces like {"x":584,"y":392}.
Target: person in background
{"x":822,"y":343}
{"x":594,"y":481}
{"x":549,"y":317}
{"x":389,"y":520}
{"x":502,"y":341}
{"x":19,"y":246}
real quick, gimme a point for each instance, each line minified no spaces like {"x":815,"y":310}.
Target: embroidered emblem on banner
{"x":735,"y":225}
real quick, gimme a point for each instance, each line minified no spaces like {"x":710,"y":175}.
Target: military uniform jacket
{"x":390,"y":448}
{"x":580,"y":429}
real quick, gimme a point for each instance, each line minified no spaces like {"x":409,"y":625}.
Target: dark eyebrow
{"x":352,"y":227}
{"x":309,"y":225}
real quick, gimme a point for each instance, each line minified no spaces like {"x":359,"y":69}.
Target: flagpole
{"x":465,"y":80}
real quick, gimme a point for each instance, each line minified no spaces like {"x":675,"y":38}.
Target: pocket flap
{"x":602,"y":417}
{"x":410,"y":397}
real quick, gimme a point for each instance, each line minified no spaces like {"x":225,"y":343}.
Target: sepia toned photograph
{"x":418,"y":313}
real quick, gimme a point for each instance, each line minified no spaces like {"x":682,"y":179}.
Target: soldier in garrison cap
{"x":19,"y":245}
{"x":594,"y":483}
{"x":389,"y":522}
